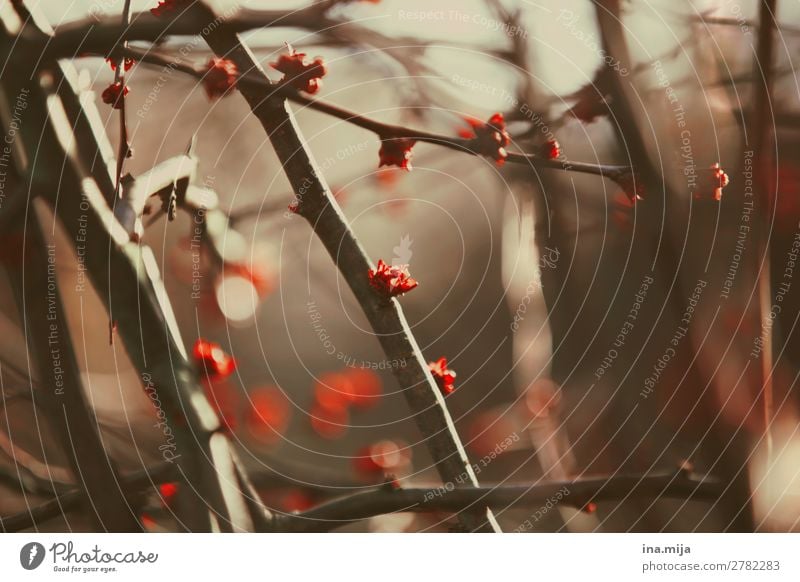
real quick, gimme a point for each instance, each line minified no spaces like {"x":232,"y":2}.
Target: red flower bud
{"x":551,"y":150}
{"x":396,"y":152}
{"x":167,"y":492}
{"x":710,"y":183}
{"x":444,"y":377}
{"x":391,"y":280}
{"x":114,"y":95}
{"x":489,"y":139}
{"x":220,"y":77}
{"x":213,"y":360}
{"x":128,"y":63}
{"x":300,"y":73}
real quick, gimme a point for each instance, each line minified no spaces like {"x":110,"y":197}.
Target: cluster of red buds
{"x":551,"y":149}
{"x":444,"y":376}
{"x":710,"y":183}
{"x":488,"y":139}
{"x":299,"y":72}
{"x":213,"y":360}
{"x":396,"y":152}
{"x":391,"y":280}
{"x":114,"y":95}
{"x":220,"y":77}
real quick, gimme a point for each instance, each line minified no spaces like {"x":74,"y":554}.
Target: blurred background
{"x":527,"y":278}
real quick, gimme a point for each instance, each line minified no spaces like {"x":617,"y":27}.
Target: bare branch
{"x":340,"y":512}
{"x":317,"y":205}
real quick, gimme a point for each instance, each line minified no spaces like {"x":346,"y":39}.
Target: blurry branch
{"x":387,"y":499}
{"x":125,"y":274}
{"x":29,"y":472}
{"x":132,"y":487}
{"x":706,"y":18}
{"x":102,"y":34}
{"x":62,"y":399}
{"x":760,"y":130}
{"x":32,"y":275}
{"x":736,"y":496}
{"x":317,"y":205}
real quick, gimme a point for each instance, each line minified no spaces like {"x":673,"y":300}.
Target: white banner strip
{"x":390,"y":557}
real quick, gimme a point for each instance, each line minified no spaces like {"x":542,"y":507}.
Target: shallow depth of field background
{"x":466,"y":229}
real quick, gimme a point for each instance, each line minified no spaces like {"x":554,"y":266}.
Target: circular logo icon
{"x":31,"y":555}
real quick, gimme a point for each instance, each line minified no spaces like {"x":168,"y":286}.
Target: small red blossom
{"x":444,"y":377}
{"x":551,"y":149}
{"x":396,"y":152}
{"x":220,"y":77}
{"x":489,"y":139}
{"x":391,"y":280}
{"x":168,"y":7}
{"x":300,"y":73}
{"x":147,"y":521}
{"x":114,"y":95}
{"x":167,"y":492}
{"x":295,"y":500}
{"x":710,"y":183}
{"x":213,"y":360}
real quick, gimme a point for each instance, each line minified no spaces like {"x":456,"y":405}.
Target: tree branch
{"x":340,"y":512}
{"x":317,"y":205}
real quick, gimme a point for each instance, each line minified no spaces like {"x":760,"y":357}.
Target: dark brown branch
{"x":104,"y":33}
{"x":384,"y":500}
